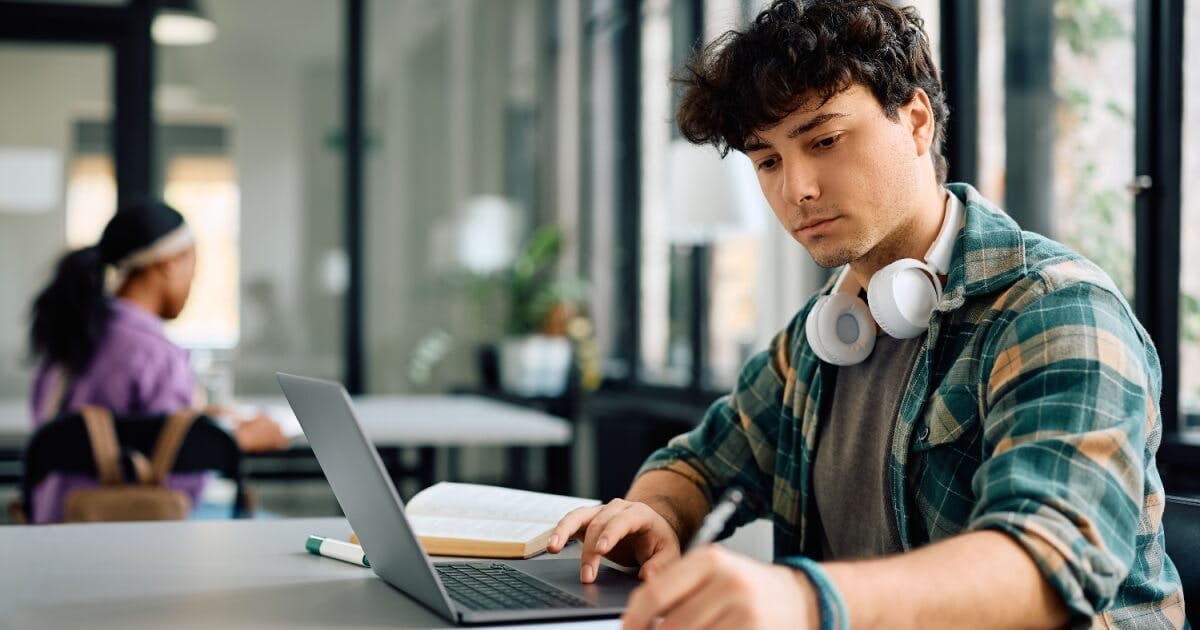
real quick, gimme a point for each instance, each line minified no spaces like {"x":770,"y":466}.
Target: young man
{"x":987,"y":462}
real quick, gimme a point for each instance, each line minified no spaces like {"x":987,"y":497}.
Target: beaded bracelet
{"x":831,"y":606}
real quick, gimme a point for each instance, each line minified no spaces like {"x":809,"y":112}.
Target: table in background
{"x":393,"y":423}
{"x":197,"y":574}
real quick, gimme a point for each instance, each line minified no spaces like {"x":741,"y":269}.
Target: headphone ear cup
{"x":810,"y":329}
{"x":841,"y":332}
{"x":902,"y":296}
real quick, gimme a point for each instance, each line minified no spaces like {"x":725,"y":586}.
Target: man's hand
{"x":716,"y":588}
{"x":629,"y":533}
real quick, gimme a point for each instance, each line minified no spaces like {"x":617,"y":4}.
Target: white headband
{"x":166,"y":246}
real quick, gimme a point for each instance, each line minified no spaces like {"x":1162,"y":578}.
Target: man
{"x":994,"y":470}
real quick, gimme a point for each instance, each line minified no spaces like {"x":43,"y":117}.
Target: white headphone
{"x":901,"y":297}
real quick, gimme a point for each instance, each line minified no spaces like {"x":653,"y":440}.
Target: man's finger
{"x":702,"y":607}
{"x":589,"y":558}
{"x":657,"y":562}
{"x":570,"y":525}
{"x":669,"y":586}
{"x":613,"y":530}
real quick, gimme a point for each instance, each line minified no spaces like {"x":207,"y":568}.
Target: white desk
{"x":197,"y":574}
{"x":390,"y":421}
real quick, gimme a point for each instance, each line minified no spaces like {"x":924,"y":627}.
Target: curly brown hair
{"x":747,"y":81}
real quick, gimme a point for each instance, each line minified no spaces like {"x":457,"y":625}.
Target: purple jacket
{"x":136,"y":370}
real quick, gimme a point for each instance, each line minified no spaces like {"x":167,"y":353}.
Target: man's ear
{"x":918,"y":115}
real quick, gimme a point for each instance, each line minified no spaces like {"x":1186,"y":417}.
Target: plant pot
{"x":535,"y":365}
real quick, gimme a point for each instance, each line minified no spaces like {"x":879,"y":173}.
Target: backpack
{"x":148,"y":499}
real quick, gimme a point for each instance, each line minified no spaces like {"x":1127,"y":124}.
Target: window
{"x":1094,"y":147}
{"x":990,"y":178}
{"x":201,"y":185}
{"x":251,"y":151}
{"x":462,"y":151}
{"x":1056,"y":124}
{"x":45,"y":89}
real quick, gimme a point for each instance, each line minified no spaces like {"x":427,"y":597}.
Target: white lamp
{"x":710,"y":198}
{"x":182,"y":23}
{"x":489,"y":232}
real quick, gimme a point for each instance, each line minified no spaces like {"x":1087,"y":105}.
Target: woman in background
{"x":98,"y":334}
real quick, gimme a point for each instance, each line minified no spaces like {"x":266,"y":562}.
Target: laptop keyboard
{"x":500,"y":587}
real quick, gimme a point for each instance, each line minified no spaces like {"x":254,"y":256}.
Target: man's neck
{"x":911,"y":239}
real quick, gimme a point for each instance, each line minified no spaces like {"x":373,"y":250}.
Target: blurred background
{"x":419,"y":196}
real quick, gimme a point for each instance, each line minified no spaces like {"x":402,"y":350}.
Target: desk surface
{"x":197,"y":574}
{"x":389,"y":421}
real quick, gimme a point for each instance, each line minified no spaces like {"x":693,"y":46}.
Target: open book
{"x":466,"y":519}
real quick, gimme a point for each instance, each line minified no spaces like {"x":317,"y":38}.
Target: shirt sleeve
{"x":1070,"y":399}
{"x":735,"y":444}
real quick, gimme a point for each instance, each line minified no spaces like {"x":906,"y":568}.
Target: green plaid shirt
{"x":1031,"y":409}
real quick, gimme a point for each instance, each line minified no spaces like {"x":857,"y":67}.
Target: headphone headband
{"x":939,"y":253}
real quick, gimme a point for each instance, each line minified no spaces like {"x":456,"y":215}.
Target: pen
{"x":715,"y":521}
{"x":337,"y":549}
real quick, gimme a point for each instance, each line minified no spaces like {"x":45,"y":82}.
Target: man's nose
{"x":800,"y":185}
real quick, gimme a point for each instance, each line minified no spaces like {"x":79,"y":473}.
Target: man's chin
{"x":832,"y":259}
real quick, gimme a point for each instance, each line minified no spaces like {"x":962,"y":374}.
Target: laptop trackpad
{"x":610,"y":590}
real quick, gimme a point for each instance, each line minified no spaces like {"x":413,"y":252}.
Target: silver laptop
{"x":464,"y":592}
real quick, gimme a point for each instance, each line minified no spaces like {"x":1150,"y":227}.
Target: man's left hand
{"x":716,"y":588}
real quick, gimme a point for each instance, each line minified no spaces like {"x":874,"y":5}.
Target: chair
{"x":62,"y":446}
{"x":1181,"y":524}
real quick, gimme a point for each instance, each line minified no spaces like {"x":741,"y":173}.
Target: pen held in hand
{"x":336,"y":549}
{"x":715,"y":521}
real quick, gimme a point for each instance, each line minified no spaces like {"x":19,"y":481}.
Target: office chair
{"x":1181,"y":524}
{"x":63,"y":446}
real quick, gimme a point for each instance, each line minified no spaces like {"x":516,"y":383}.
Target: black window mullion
{"x":960,"y":82}
{"x":353,"y":105}
{"x":1159,"y":127}
{"x":134,"y":147}
{"x":628,"y":228}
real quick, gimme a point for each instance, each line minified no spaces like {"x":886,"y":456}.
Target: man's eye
{"x":767,"y":164}
{"x":826,"y":143}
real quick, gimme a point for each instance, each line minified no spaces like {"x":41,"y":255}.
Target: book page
{"x":478,"y":529}
{"x":491,"y":502}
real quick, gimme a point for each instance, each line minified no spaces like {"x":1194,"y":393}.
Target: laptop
{"x":466,"y":592}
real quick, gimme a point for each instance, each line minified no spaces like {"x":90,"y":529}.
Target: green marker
{"x":336,"y":549}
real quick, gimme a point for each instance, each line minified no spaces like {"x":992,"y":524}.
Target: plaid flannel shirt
{"x":1031,"y":409}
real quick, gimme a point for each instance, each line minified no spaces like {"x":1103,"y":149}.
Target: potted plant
{"x":535,"y":353}
{"x":534,"y":318}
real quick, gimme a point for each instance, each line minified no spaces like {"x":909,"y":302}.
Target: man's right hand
{"x":629,"y":533}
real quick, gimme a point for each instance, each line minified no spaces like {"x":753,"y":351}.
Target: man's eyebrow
{"x":813,"y":123}
{"x":755,"y":144}
{"x":758,"y":144}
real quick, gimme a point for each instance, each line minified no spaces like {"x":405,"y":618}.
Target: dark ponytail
{"x":71,"y":315}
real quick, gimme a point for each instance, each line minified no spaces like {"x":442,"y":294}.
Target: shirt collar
{"x":989,"y":253}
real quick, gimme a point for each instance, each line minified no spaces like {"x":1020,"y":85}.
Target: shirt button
{"x":923,"y":434}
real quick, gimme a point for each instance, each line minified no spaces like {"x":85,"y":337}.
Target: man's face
{"x":841,"y":176}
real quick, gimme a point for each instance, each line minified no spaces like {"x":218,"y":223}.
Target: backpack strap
{"x":103,"y":437}
{"x":170,"y":438}
{"x":141,"y":467}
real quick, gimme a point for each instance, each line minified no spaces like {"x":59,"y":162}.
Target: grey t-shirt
{"x":850,"y":465}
